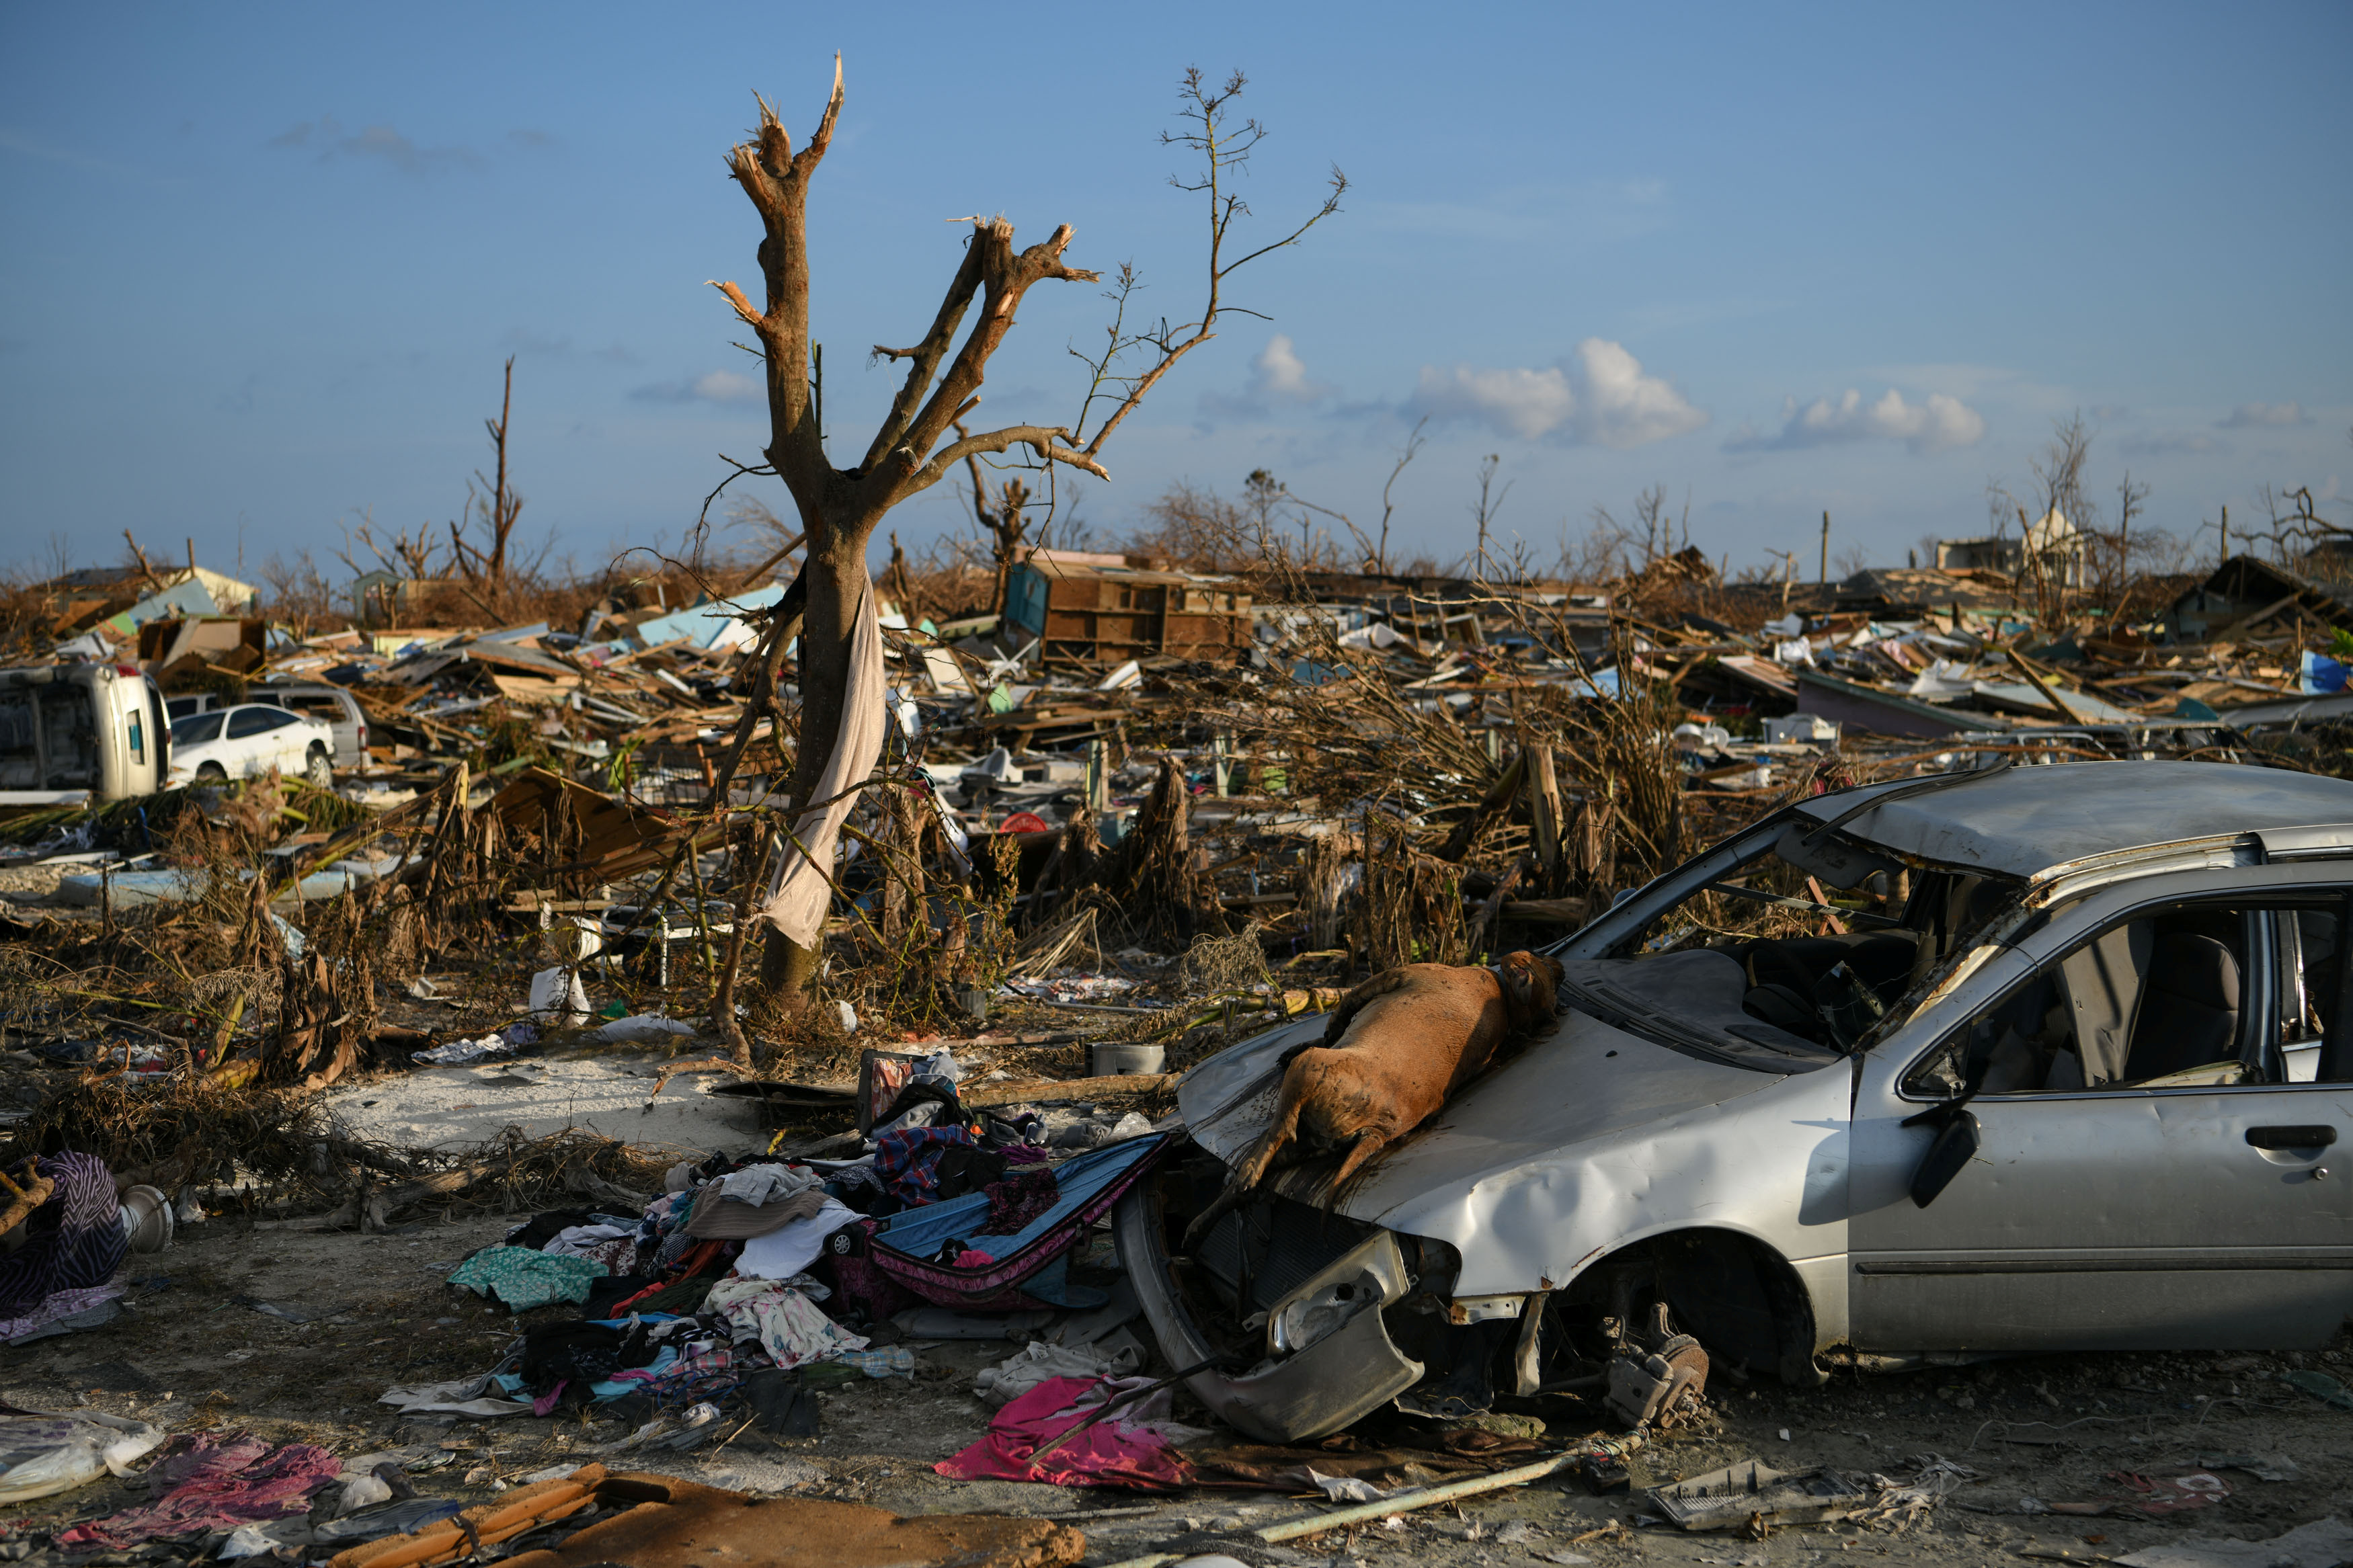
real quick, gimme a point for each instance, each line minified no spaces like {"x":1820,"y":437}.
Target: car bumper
{"x":1345,"y":1375}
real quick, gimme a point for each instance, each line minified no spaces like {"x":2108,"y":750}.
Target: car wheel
{"x":318,"y":772}
{"x":211,"y":773}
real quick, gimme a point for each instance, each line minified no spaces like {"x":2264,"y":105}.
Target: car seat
{"x":2189,"y":1012}
{"x":1786,"y":974}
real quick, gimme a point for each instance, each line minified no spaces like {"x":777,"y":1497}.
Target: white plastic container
{"x":1118,"y":1059}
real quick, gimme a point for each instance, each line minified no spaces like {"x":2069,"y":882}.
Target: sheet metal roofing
{"x":2024,"y":820}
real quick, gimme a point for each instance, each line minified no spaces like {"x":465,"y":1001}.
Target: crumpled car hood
{"x":1579,"y":1086}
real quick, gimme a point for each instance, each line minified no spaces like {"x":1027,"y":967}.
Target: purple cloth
{"x":52,"y":1306}
{"x":72,"y":1242}
{"x":865,"y":1285}
{"x":201,"y":1454}
{"x":1016,"y":1201}
{"x":908,"y":1162}
{"x":214,"y":1484}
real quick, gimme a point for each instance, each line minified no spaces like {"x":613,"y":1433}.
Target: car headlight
{"x":1365,"y":1277}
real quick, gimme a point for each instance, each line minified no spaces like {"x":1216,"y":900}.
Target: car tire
{"x":319,"y":773}
{"x":211,"y":773}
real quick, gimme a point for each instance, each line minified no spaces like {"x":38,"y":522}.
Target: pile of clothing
{"x":707,"y":1285}
{"x":747,"y":1268}
{"x":728,"y":1273}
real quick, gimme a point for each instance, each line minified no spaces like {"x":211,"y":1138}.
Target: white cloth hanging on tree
{"x":803,"y":888}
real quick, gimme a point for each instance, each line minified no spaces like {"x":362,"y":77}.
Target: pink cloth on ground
{"x":213,"y":1484}
{"x":1107,"y":1454}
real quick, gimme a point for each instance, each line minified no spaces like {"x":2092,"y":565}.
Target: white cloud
{"x":715,"y":387}
{"x":1600,"y":397}
{"x":1940,"y":424}
{"x":1529,"y":403}
{"x":1283,"y":374}
{"x":1626,"y":408}
{"x":1278,"y":376}
{"x":2249,"y":416}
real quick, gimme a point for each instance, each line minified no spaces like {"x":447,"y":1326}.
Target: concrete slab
{"x":449,"y":1107}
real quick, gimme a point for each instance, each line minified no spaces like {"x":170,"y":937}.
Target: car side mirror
{"x":1954,"y":1145}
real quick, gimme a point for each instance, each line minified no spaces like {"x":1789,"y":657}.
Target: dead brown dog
{"x":1393,"y":1051}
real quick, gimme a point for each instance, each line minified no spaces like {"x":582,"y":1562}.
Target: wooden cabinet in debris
{"x":1087,"y":607}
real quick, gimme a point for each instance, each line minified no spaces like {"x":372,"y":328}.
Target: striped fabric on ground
{"x":71,"y":1242}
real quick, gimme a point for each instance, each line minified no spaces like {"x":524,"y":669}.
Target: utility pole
{"x":1826,"y":547}
{"x":2225,"y":558}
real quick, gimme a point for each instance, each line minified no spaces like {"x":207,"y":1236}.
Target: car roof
{"x":2023,"y":821}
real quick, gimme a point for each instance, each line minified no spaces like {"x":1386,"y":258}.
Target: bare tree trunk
{"x":501,"y":510}
{"x":842,"y":507}
{"x":834,"y":583}
{"x":723,"y":1004}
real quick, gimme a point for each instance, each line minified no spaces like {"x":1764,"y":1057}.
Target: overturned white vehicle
{"x":2069,"y":1076}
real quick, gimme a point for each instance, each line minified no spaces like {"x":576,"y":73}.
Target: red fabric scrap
{"x":215,"y":1484}
{"x":1105,"y":1454}
{"x":2171,"y":1492}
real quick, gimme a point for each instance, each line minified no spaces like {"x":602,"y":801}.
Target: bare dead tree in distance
{"x":494,"y":501}
{"x":1490,"y":502}
{"x":1004,"y":521}
{"x":841,"y":506}
{"x":1379,"y":554}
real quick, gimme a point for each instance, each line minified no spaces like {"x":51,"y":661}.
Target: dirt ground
{"x":196,"y":1349}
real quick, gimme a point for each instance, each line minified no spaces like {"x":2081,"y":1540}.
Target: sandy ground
{"x":195,"y":1349}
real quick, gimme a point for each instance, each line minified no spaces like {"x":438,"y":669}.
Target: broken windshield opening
{"x":1796,"y":954}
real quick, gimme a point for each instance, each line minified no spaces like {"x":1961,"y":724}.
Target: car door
{"x":293,"y":737}
{"x":248,"y":750}
{"x":255,"y":739}
{"x":2204,"y":1205}
{"x":192,"y":738}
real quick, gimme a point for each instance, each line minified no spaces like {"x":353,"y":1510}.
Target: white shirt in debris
{"x":803,"y":890}
{"x":787,"y":1325}
{"x":785,"y":1251}
{"x":761,"y":1183}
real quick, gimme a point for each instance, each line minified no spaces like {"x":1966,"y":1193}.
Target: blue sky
{"x":261,"y":263}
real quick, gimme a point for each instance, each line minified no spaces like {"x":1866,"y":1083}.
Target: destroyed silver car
{"x":2058,"y":1066}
